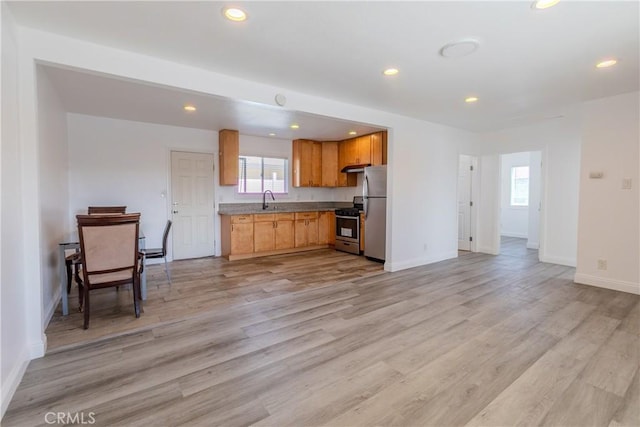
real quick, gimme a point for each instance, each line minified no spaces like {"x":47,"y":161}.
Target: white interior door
{"x":464,"y":203}
{"x":192,"y":204}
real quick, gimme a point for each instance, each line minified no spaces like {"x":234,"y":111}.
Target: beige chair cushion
{"x":96,"y":279}
{"x":109,"y":247}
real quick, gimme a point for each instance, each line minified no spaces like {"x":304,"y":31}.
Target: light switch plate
{"x":626,"y":183}
{"x":596,"y":175}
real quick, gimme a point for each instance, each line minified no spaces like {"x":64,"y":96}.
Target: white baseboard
{"x":416,"y":262}
{"x":533,"y":245}
{"x":514,"y":234}
{"x":10,"y":385}
{"x":601,"y":282}
{"x":569,"y":262}
{"x":51,"y":308}
{"x":487,"y":250}
{"x":38,"y":348}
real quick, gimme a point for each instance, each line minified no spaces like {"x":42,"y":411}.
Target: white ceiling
{"x":530,"y":64}
{"x":100,"y":95}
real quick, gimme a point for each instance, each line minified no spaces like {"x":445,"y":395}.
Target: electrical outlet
{"x":602,"y":264}
{"x":626,"y":183}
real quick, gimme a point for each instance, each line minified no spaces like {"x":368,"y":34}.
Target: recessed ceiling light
{"x":544,"y":4}
{"x":607,"y":63}
{"x":459,"y":48}
{"x":353,"y":132}
{"x":234,"y":14}
{"x":295,"y":126}
{"x":189,"y":108}
{"x":471,"y":99}
{"x":390,"y":72}
{"x":272,"y":134}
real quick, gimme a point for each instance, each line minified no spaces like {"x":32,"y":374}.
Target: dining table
{"x":72,"y":242}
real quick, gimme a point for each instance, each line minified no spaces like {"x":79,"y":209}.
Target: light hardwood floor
{"x":327,"y":338}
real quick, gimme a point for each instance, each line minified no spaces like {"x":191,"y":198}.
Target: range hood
{"x":355,"y":168}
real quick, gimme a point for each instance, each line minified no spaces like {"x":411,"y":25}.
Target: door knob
{"x":175,"y":212}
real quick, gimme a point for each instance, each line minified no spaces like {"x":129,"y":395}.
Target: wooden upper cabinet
{"x":364,"y":150}
{"x":347,"y":155}
{"x":318,"y":164}
{"x":330,"y":169}
{"x":307,"y":163}
{"x":229,"y":148}
{"x":376,"y":149}
{"x":384,"y":147}
{"x":348,"y":152}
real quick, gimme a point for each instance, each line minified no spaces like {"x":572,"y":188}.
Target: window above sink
{"x":257,"y":174}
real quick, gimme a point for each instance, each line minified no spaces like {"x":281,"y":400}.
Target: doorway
{"x":192,"y":206}
{"x":520,"y":203}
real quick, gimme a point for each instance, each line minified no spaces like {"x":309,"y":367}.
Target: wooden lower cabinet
{"x":306,"y":232}
{"x":245,"y":236}
{"x":326,"y":228}
{"x":332,"y":228}
{"x":239,"y":229}
{"x":264,"y":236}
{"x":285,"y":231}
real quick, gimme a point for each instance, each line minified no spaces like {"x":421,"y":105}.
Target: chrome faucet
{"x":264,"y":199}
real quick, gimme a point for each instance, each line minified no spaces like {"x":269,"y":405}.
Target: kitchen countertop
{"x":275,"y":207}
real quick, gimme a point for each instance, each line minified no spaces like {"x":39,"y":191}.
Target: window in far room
{"x":519,"y":186}
{"x":258,"y":174}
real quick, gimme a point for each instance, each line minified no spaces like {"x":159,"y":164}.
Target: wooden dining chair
{"x":161,"y":252}
{"x":110,"y":257}
{"x":72,"y":261}
{"x":98,"y":210}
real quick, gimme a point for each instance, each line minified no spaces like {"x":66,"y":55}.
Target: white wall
{"x":535,"y":172}
{"x":608,"y":227}
{"x":487,"y":183}
{"x":54,"y":195}
{"x":422,"y":192}
{"x":514,"y":220}
{"x":114,"y":162}
{"x":14,"y":340}
{"x":559,"y":141}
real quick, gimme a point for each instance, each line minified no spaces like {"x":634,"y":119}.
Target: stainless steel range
{"x":348,"y":227}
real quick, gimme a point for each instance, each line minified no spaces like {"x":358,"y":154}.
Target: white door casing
{"x":464,"y":202}
{"x":192,"y":206}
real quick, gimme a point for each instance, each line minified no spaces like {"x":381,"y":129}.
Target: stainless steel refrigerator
{"x":374,"y":189}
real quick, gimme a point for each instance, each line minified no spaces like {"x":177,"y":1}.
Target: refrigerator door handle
{"x":365,"y":195}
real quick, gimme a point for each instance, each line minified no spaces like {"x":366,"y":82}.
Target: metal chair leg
{"x":166,"y":269}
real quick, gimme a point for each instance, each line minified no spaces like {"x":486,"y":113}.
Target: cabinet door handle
{"x":231,"y":227}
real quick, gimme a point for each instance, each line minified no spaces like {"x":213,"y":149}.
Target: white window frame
{"x":512,"y":184}
{"x":286,"y":174}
